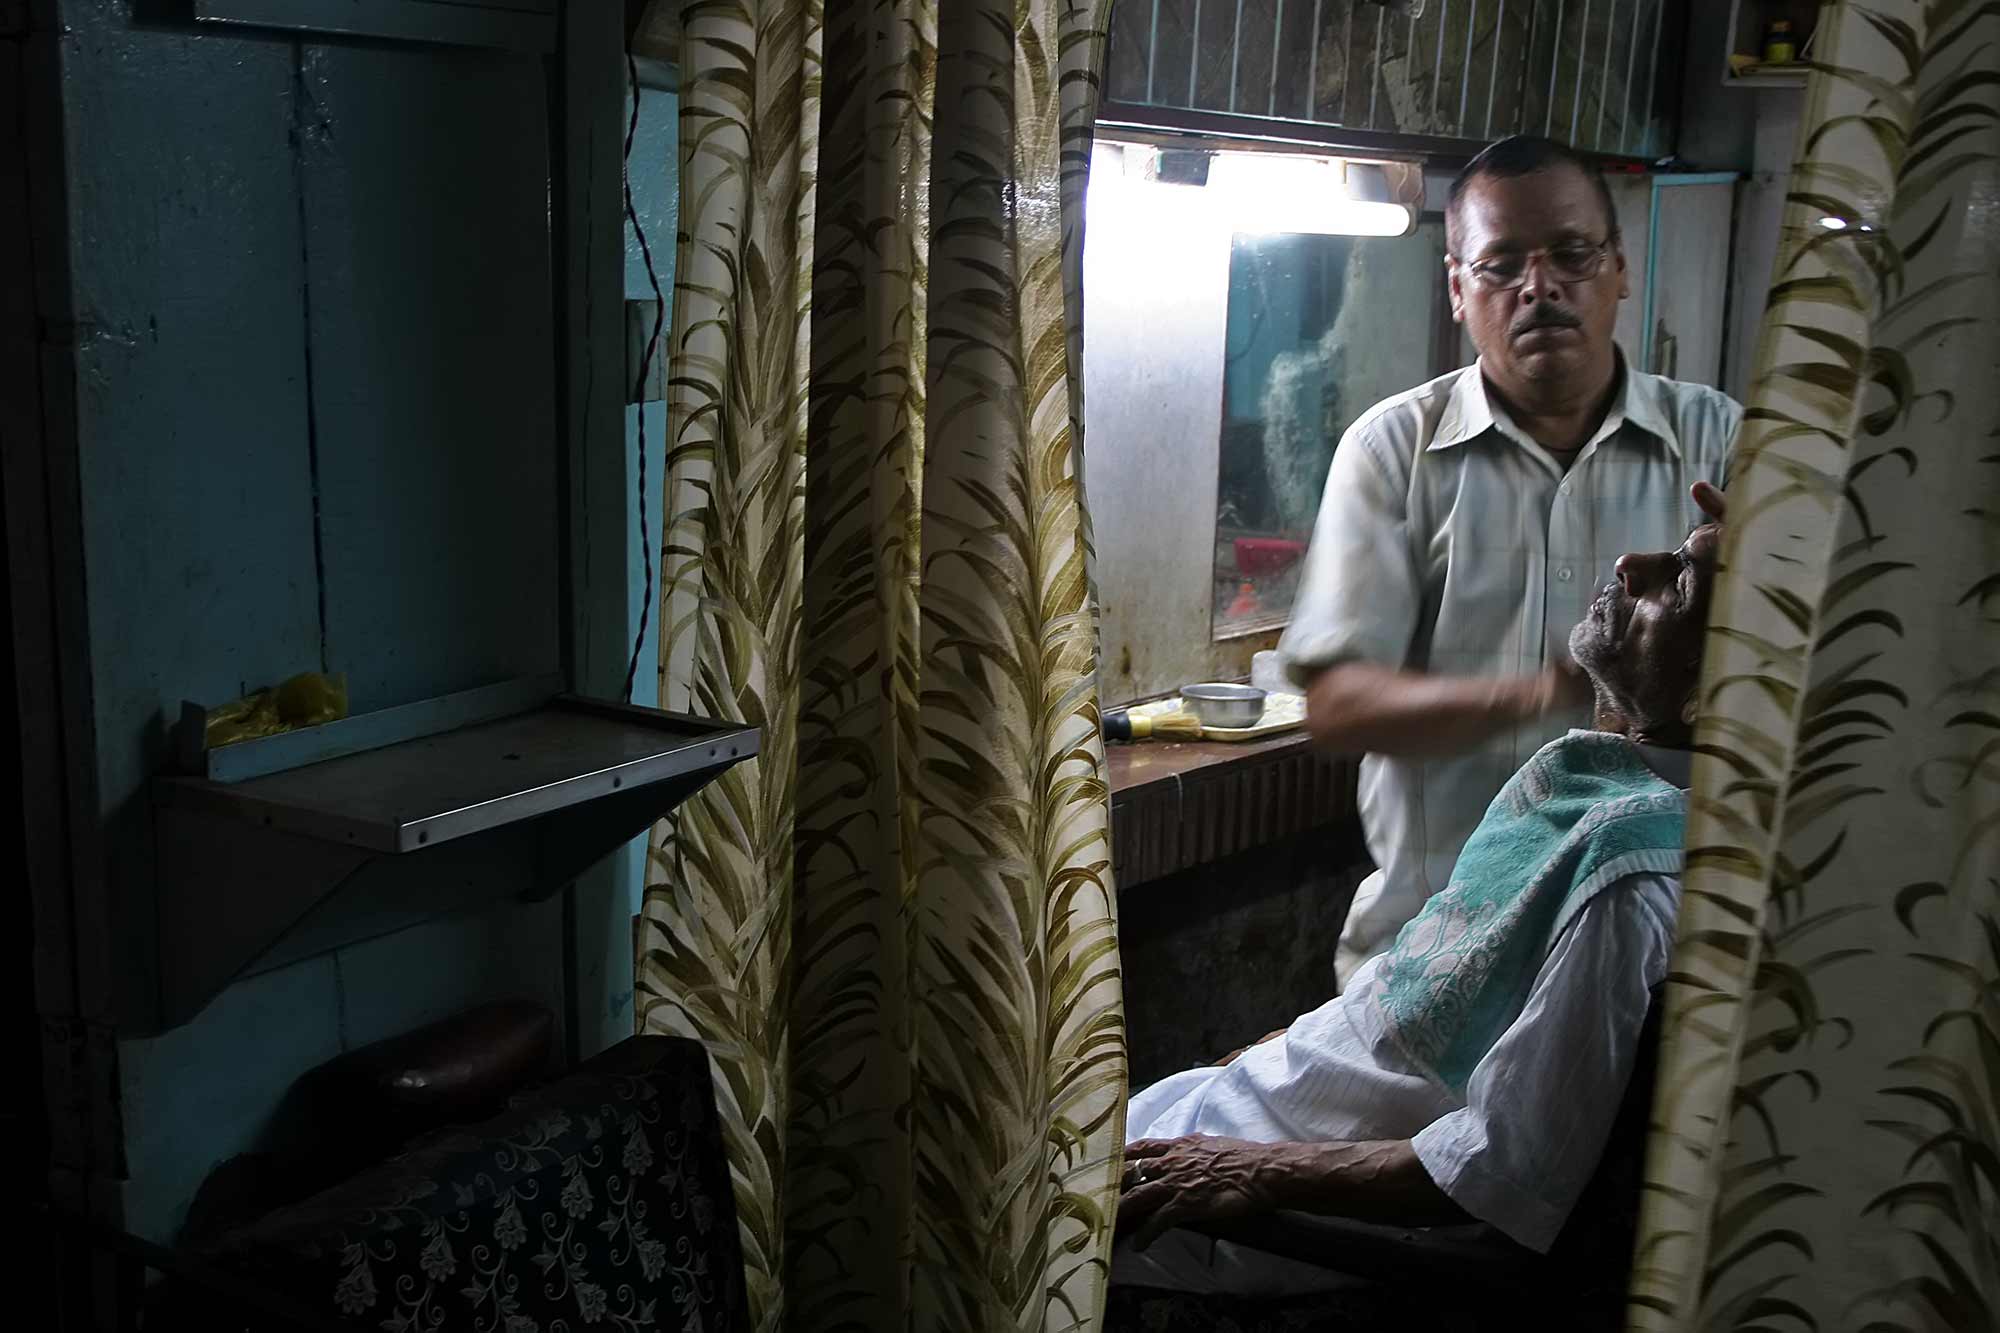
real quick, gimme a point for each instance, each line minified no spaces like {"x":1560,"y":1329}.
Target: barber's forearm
{"x":1359,"y":707}
{"x":1380,"y":1180}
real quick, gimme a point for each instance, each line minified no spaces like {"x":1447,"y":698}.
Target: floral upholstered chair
{"x":599,"y":1199}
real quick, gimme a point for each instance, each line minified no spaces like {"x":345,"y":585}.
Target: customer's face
{"x":1555,"y":326}
{"x":1641,"y":642}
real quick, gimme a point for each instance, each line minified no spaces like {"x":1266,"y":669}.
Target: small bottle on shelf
{"x":1779,"y":48}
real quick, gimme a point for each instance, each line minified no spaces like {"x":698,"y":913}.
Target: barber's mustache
{"x":1544,"y":317}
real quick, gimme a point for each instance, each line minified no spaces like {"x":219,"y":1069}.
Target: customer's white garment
{"x":1515,"y":1152}
{"x":1449,"y":541}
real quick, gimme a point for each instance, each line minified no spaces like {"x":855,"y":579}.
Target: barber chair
{"x":432,"y":1183}
{"x":1453,"y":1279}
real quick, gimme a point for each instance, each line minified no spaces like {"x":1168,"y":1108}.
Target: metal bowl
{"x":1228,"y":707}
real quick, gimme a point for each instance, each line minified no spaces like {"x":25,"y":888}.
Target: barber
{"x":1469,"y":521}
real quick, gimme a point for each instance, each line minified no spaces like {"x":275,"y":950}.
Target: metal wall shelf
{"x":516,"y":25}
{"x":433,"y":789}
{"x":260,"y":872}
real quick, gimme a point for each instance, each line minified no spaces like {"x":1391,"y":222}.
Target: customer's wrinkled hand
{"x":1196,"y":1178}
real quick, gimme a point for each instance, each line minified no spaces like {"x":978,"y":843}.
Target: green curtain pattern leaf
{"x":1827,"y":1127}
{"x":896,"y":930}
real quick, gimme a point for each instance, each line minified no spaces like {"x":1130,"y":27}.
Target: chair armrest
{"x":1473,"y":1252}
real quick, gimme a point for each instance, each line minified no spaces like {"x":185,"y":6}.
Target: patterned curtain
{"x":895,"y":931}
{"x":1827,"y":1153}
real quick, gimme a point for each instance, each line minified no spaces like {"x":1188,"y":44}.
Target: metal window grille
{"x":1594,"y":73}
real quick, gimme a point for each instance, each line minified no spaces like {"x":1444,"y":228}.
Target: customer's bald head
{"x":1641,"y":643}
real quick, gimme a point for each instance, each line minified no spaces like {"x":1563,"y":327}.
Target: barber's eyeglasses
{"x":1572,"y":261}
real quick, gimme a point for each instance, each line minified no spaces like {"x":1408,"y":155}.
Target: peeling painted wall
{"x":1155,"y":307}
{"x":311,"y":324}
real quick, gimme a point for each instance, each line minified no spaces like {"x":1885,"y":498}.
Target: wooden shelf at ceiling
{"x":1748,"y":22}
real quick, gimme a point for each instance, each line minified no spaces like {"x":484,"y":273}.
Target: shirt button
{"x":1564,"y":574}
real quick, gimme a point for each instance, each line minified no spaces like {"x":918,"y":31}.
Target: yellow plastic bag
{"x":307,"y":700}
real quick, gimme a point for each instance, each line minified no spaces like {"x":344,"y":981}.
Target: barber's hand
{"x":1558,"y":687}
{"x":1237,"y":1054}
{"x":1196,"y":1178}
{"x":1710,"y":500}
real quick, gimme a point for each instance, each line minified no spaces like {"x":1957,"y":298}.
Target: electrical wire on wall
{"x":645,"y":371}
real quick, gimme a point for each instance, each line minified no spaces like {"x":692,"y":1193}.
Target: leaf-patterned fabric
{"x":1828,"y":1153}
{"x":895,"y":930}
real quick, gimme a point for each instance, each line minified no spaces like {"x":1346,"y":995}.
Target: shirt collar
{"x":1674,"y":766}
{"x":1470,"y":411}
{"x":1644,"y":406}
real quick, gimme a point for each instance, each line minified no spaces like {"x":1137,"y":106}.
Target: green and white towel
{"x":1582,"y":814}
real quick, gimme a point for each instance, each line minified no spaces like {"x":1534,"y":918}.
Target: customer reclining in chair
{"x":1473,"y":1071}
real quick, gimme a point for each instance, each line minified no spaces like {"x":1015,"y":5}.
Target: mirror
{"x":1319,"y":329}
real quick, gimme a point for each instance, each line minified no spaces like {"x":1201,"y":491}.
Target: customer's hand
{"x":1236,"y":1054}
{"x":1196,"y":1178}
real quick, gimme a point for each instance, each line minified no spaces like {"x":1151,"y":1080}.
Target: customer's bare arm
{"x":1202,"y":1178}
